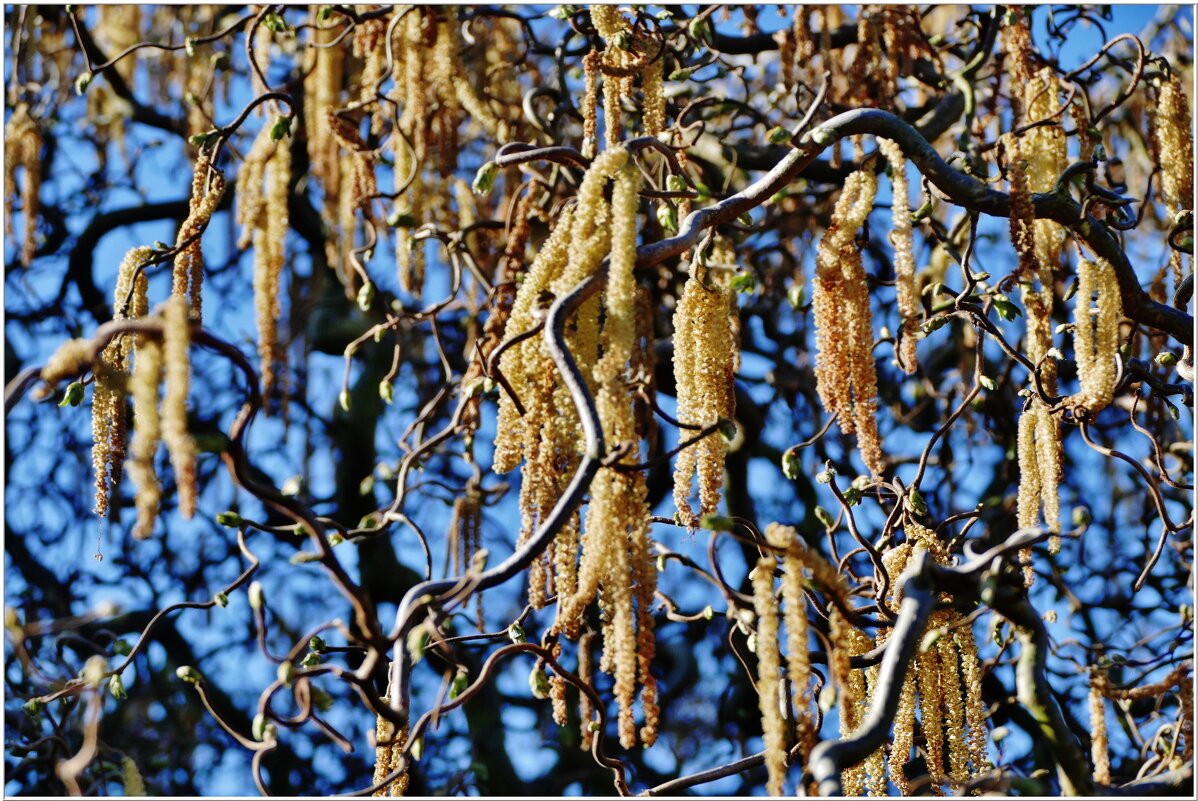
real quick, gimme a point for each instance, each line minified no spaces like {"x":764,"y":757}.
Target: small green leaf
{"x":229,"y":519}
{"x":914,"y":502}
{"x":824,"y":517}
{"x":796,"y":295}
{"x":82,"y":82}
{"x":987,"y":382}
{"x":32,"y":707}
{"x":1164,"y":359}
{"x":778,"y":135}
{"x":667,"y":217}
{"x":461,"y":680}
{"x":418,"y":640}
{"x":717,"y":523}
{"x":676,"y":183}
{"x":515,"y":633}
{"x":683,"y":74}
{"x":791,"y":465}
{"x":116,"y":687}
{"x":743,"y":283}
{"x":538,"y":682}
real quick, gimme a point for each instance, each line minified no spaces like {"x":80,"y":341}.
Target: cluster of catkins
{"x":1101,"y":688}
{"x":773,"y":675}
{"x":23,"y":151}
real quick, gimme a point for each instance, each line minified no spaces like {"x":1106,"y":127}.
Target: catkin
{"x":705,"y":352}
{"x":904,"y":258}
{"x":147,"y":372}
{"x":1099,"y":753}
{"x":23,"y":150}
{"x":769,"y":691}
{"x":388,"y":753}
{"x":176,"y":344}
{"x":1175,"y":139}
{"x":206,"y":193}
{"x":133,"y":784}
{"x":263,"y":190}
{"x":1096,"y":340}
{"x":798,"y":658}
{"x":845,"y":373}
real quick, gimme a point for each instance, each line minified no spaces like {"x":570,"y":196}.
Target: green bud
{"x":825,"y":476}
{"x":716,"y":523}
{"x":914,"y":502}
{"x":94,"y":670}
{"x":189,"y":47}
{"x":796,"y":295}
{"x":304,"y":557}
{"x":343,"y":399}
{"x":667,"y":217}
{"x":286,"y":673}
{"x":538,"y":682}
{"x":401,"y":220}
{"x":257,"y":596}
{"x":484,"y":179}
{"x":274,"y":23}
{"x":82,"y":82}
{"x":116,"y":687}
{"x":699,"y":30}
{"x":229,"y":519}
{"x":708,"y":612}
{"x":280,"y":128}
{"x":320,"y":699}
{"x":417,"y":749}
{"x":1165,"y":359}
{"x":221,"y":599}
{"x":324,"y":13}
{"x":852,"y":496}
{"x":676,"y":183}
{"x":336,"y":539}
{"x":73,"y":395}
{"x":366,"y":296}
{"x":32,"y":707}
{"x":743,"y":283}
{"x":258,"y":727}
{"x":824,"y":517}
{"x":745,"y":219}
{"x":189,"y":674}
{"x":987,"y":382}
{"x":1070,"y":290}
{"x":728,"y":429}
{"x":418,"y":640}
{"x":461,"y":680}
{"x":682,"y":74}
{"x":778,"y":135}
{"x":316,"y":644}
{"x":823,"y":136}
{"x":791,"y":465}
{"x":622,"y":40}
{"x":515,"y":633}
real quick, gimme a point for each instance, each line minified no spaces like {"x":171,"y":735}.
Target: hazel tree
{"x":564,"y":400}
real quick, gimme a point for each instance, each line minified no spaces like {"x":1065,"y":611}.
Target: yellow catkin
{"x":207,"y":188}
{"x":875,"y":763}
{"x":262,"y":197}
{"x":798,"y":657}
{"x":769,"y":688}
{"x":850,"y":689}
{"x":412,"y":123}
{"x":111,"y":377}
{"x":1099,"y":753}
{"x":387,"y":753}
{"x":705,"y":352}
{"x":904,"y":259}
{"x":975,"y":707}
{"x":68,"y":361}
{"x":147,"y":372}
{"x":23,"y":151}
{"x":176,"y":345}
{"x":846,"y":376}
{"x":945,"y":686}
{"x":1176,"y":145}
{"x":1096,"y":341}
{"x":131,"y":780}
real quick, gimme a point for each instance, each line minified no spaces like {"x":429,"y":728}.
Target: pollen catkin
{"x":111,"y":378}
{"x":798,"y":658}
{"x":131,"y":780}
{"x":147,"y":372}
{"x":845,"y":373}
{"x":207,"y":189}
{"x":262,"y":197}
{"x":586,"y":673}
{"x":848,"y":642}
{"x":1174,"y":139}
{"x":1096,"y":341}
{"x":705,"y":352}
{"x":176,"y":344}
{"x":23,"y":150}
{"x":769,"y":690}
{"x":387,"y":755}
{"x":904,"y":259}
{"x":1099,"y":753}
